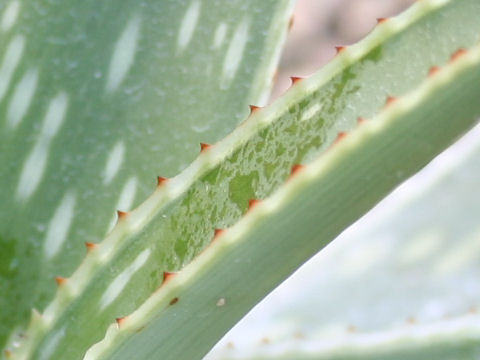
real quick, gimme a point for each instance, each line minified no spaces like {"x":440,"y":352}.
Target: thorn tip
{"x":433,"y":70}
{"x":390,"y":100}
{"x":217,"y":233}
{"x":167,"y":276}
{"x":90,"y":246}
{"x":458,"y":54}
{"x":120,"y":321}
{"x":161,"y":180}
{"x":122,"y":214}
{"x":254,"y":108}
{"x":340,"y":136}
{"x":295,"y":79}
{"x":60,"y":280}
{"x":339,"y":49}
{"x":295,"y":169}
{"x":204,"y":147}
{"x":252,"y":203}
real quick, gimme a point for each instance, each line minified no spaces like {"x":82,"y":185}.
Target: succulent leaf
{"x":99,"y":98}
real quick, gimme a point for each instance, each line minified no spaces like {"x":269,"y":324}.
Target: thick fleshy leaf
{"x":98,"y":98}
{"x":400,"y":283}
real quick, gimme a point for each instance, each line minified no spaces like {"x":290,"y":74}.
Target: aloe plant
{"x":105,"y":130}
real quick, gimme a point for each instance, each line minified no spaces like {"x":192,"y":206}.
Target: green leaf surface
{"x":402,"y":281}
{"x":311,"y":209}
{"x":177,"y":222}
{"x":98,"y":98}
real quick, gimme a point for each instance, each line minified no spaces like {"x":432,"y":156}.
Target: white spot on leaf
{"x":127,"y":195}
{"x":22,"y":98}
{"x":59,"y":225}
{"x":124,"y":54}
{"x":10,"y":15}
{"x":234,"y":55}
{"x":188,"y":25}
{"x":33,"y":170}
{"x":10,"y":62}
{"x":114,"y":162}
{"x":119,"y":283}
{"x":55,"y":115}
{"x":219,"y":36}
{"x":36,"y":163}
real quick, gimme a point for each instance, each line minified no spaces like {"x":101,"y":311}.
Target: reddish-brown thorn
{"x":161,"y":180}
{"x":60,"y":280}
{"x":252,"y":203}
{"x":291,"y":22}
{"x":361,"y":120}
{"x":167,"y":276}
{"x":217,"y":233}
{"x":295,"y":79}
{"x":433,"y":70}
{"x":381,"y":20}
{"x":411,"y":320}
{"x":204,"y":147}
{"x":90,"y":246}
{"x":122,"y":214}
{"x":120,"y":321}
{"x":457,"y":54}
{"x":390,"y":100}
{"x":472,"y":310}
{"x":295,"y":169}
{"x":254,"y":108}
{"x":340,"y":136}
{"x":339,"y":49}
{"x":174,"y":301}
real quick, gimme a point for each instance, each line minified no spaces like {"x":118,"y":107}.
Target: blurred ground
{"x":320,"y":25}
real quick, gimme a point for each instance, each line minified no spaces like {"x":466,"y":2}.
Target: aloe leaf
{"x":454,"y":339}
{"x":402,"y":281}
{"x":99,"y":98}
{"x":177,"y":221}
{"x":279,"y":234}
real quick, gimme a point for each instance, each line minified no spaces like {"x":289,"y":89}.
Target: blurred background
{"x":412,"y":264}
